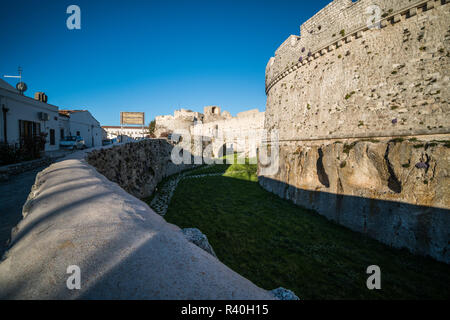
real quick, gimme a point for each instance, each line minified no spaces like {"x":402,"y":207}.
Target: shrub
{"x":395,"y":140}
{"x":151,"y":128}
{"x":348,"y":147}
{"x":348,"y":95}
{"x":30,"y":149}
{"x":9,"y":154}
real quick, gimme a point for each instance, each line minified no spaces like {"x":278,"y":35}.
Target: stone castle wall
{"x":394,"y":191}
{"x":383,"y":82}
{"x":240,"y":133}
{"x":76,"y":216}
{"x":181,"y":120}
{"x":364,"y":120}
{"x":137,"y":167}
{"x":216,"y":127}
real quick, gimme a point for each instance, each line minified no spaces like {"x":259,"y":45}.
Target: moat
{"x":273,"y":242}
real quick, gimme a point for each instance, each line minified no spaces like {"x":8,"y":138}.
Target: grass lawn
{"x":274,"y":243}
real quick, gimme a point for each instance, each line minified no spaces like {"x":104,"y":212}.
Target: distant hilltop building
{"x":181,"y":119}
{"x":217,"y":125}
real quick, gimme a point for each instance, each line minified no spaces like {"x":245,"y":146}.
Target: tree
{"x":151,"y":128}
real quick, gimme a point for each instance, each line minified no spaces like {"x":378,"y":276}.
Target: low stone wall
{"x":397,"y":191}
{"x":74,"y":216}
{"x":137,"y":167}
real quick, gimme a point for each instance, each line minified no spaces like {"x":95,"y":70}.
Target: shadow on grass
{"x":273,"y":243}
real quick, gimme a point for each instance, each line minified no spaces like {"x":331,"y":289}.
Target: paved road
{"x":13,"y":195}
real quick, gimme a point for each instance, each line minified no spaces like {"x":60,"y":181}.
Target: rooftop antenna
{"x":20,"y":86}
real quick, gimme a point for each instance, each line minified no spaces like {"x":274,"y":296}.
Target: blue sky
{"x":151,"y":56}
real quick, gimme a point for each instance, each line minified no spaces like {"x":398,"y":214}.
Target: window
{"x":28,"y":130}
{"x":52,"y":137}
{"x":78,"y":133}
{"x":61,"y":133}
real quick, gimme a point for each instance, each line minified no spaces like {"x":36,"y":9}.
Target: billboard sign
{"x":132,"y":118}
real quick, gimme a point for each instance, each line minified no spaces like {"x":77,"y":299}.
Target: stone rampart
{"x":363,"y":120}
{"x":137,"y":167}
{"x":240,"y":133}
{"x":385,"y":82}
{"x":394,"y":191}
{"x":76,"y":219}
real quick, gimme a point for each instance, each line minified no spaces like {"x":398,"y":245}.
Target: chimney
{"x":41,"y":96}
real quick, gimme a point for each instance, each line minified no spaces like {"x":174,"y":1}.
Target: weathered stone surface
{"x":240,"y":133}
{"x":137,"y":167}
{"x":395,"y":73}
{"x":181,"y":120}
{"x":386,"y":82}
{"x":195,"y":236}
{"x":373,"y":187}
{"x":123,"y":249}
{"x":284,"y":294}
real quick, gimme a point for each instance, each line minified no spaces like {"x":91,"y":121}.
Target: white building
{"x":82,"y":123}
{"x":22,"y":117}
{"x":127,"y":133}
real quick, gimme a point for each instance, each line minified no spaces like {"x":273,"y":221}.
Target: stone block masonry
{"x":394,"y":191}
{"x":137,"y":167}
{"x":76,"y":216}
{"x":364,"y":121}
{"x":386,"y":82}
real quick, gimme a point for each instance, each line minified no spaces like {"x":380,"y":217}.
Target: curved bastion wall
{"x":379,"y":82}
{"x":364,"y":121}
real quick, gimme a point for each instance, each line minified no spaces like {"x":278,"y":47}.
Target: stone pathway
{"x":160,"y":203}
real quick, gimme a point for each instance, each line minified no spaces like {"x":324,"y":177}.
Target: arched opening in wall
{"x":215,"y":110}
{"x":224,"y":150}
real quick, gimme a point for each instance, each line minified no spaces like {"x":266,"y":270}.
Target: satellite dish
{"x":21,"y":86}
